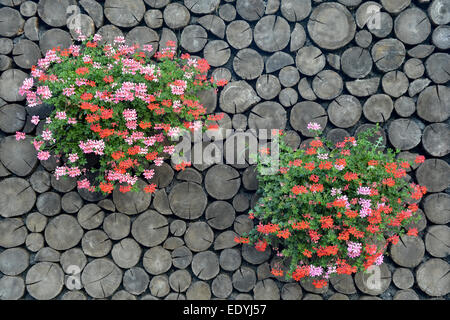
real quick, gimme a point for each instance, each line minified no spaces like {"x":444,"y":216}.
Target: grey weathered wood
{"x":193,"y":38}
{"x":412,"y":26}
{"x":408,"y":252}
{"x":222,"y":182}
{"x":414,"y":68}
{"x":14,"y":261}
{"x":378,"y":108}
{"x":132,"y":203}
{"x":327,"y":85}
{"x":266,"y":289}
{"x":345,"y":111}
{"x":124,"y":13}
{"x":298,"y":37}
{"x":36,"y":222}
{"x":44,"y":280}
{"x":220,"y":215}
{"x":54,"y":38}
{"x":181,"y":257}
{"x":250,"y":10}
{"x":213,"y":24}
{"x":343,"y":283}
{"x":95,"y":11}
{"x":16,"y":197}
{"x":289,"y":76}
{"x":34,"y":242}
{"x":305,"y":90}
{"x":225,"y":240}
{"x":438,"y":67}
{"x":303,"y":113}
{"x":31,"y":29}
{"x":288,"y":97}
{"x":244,"y":279}
{"x":143,"y":36}
{"x":101,"y":278}
{"x":272,"y":6}
{"x":154,"y":18}
{"x":277,"y":61}
{"x":363,"y":87}
{"x":217,"y":53}
{"x":248,"y":64}
{"x":26,"y":53}
{"x":178,"y":227}
{"x":433,"y":104}
{"x":172,"y":243}
{"x":205,"y":265}
{"x":437,"y":241}
{"x":433,"y":277}
{"x":436,"y":207}
{"x":187,"y":200}
{"x":49,"y":203}
{"x":13,"y":232}
{"x":95,"y":243}
{"x":54,"y":13}
{"x":11,"y":22}
{"x":10,"y":82}
{"x":364,"y":281}
{"x":356,"y":62}
{"x":403,"y":278}
{"x":291,"y":291}
{"x":266,"y":116}
{"x":150,"y":228}
{"x":159,"y":286}
{"x":180,"y":280}
{"x":202,"y":6}
{"x":253,"y":256}
{"x":109,"y":32}
{"x":395,"y":6}
{"x":294,"y":10}
{"x":404,"y":134}
{"x":438,"y":12}
{"x":117,"y":225}
{"x":199,"y":236}
{"x":363,"y":38}
{"x":73,"y":257}
{"x":227,"y":12}
{"x":237,"y":97}
{"x":441,"y":36}
{"x":163,"y":175}
{"x":176,"y":16}
{"x":135,"y":280}
{"x":12,"y":288}
{"x":388,"y":54}
{"x":90,"y":216}
{"x":157,"y":260}
{"x":190,"y":175}
{"x":331,"y":26}
{"x":230,"y":259}
{"x":310,"y":60}
{"x":198,"y":290}
{"x":434,"y":174}
{"x":221,"y":286}
{"x":436,"y":139}
{"x":81,"y":22}
{"x":421,"y":51}
{"x":272,"y":33}
{"x":6,"y":45}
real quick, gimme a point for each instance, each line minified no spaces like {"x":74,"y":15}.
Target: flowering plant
{"x":333,"y":211}
{"x":114,"y":102}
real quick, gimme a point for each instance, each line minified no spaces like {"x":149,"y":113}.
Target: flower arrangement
{"x":117,"y":104}
{"x":332,"y":211}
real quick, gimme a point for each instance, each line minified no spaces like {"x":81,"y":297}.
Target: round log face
{"x":345,"y":64}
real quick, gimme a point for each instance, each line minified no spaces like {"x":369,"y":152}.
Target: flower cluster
{"x":116,"y":109}
{"x":333,"y":211}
